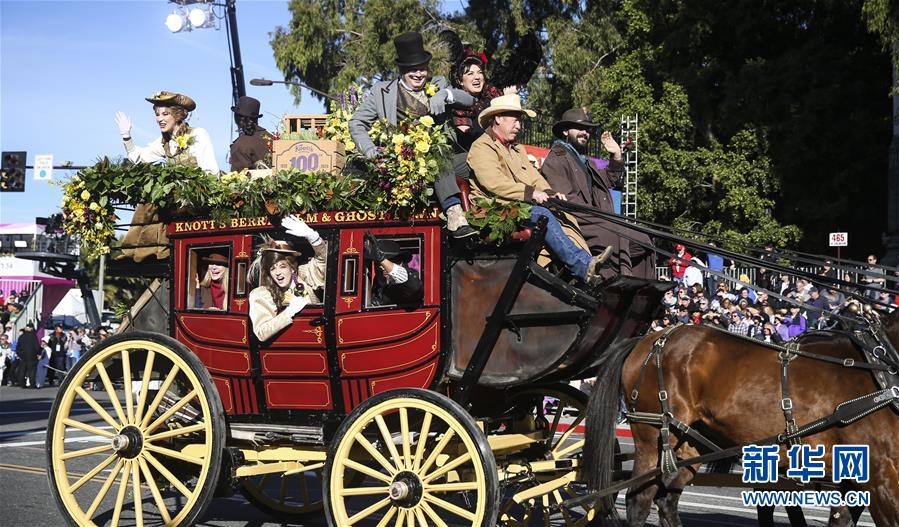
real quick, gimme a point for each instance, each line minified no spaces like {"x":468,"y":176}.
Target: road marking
{"x":84,"y":439}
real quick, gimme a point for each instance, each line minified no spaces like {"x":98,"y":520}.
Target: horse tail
{"x":602,"y":417}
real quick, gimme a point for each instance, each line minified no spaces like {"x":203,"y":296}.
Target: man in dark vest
{"x":253,"y":144}
{"x":569,"y":172}
{"x":57,"y":344}
{"x":406,"y":98}
{"x":395,"y":282}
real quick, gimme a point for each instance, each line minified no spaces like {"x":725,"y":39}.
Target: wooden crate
{"x":308,"y":156}
{"x":295,"y":123}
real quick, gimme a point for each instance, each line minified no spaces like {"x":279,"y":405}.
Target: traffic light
{"x":12,"y":172}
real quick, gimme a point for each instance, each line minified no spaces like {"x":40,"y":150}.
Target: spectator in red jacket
{"x":679,"y":263}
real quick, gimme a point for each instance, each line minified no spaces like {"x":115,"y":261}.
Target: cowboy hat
{"x":167,"y":98}
{"x":247,"y":107}
{"x":216,"y":259}
{"x":573,"y":118}
{"x":410,"y":50}
{"x":503,"y":104}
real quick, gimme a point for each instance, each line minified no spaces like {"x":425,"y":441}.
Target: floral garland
{"x":89,"y":216}
{"x":499,"y":219}
{"x":341,"y":109}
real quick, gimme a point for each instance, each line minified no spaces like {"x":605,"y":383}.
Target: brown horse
{"x":729,"y":390}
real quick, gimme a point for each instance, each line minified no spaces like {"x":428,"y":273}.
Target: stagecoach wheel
{"x":560,"y":409}
{"x":291,"y":497}
{"x":410,"y":457}
{"x":146,"y":448}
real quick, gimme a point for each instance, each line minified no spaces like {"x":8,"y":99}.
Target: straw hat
{"x":503,"y":104}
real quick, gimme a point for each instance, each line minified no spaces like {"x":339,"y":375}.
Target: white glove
{"x":296,"y":305}
{"x":297,"y":227}
{"x":437,"y":103}
{"x":124,"y":124}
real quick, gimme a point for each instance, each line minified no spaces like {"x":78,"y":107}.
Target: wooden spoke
{"x":110,"y":392}
{"x":168,"y":475}
{"x":129,"y":397}
{"x":388,"y":440}
{"x":432,"y":514}
{"x":364,"y":491}
{"x":420,"y":517}
{"x":373,"y":452}
{"x":579,"y":444}
{"x":120,"y":497}
{"x":160,"y":504}
{"x":171,"y":411}
{"x":445,"y":505}
{"x":422,"y":440}
{"x":176,"y":432}
{"x":93,"y":473}
{"x":410,"y":518}
{"x":87,"y":428}
{"x":437,"y":451}
{"x":452,"y":487}
{"x":386,"y":519}
{"x":145,"y":385}
{"x":282,"y":490}
{"x":359,"y":467}
{"x":173,"y":453}
{"x":365,"y":513}
{"x":567,"y":433}
{"x":105,"y":488}
{"x":560,"y":407}
{"x":97,"y":408}
{"x":404,"y":436}
{"x":136,"y":494}
{"x":85,"y":452}
{"x":464,"y":458}
{"x":173,"y":373}
{"x":400,"y":517}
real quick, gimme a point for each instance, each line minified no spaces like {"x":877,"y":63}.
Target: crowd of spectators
{"x":29,"y":362}
{"x":11,"y":305}
{"x":703,"y":299}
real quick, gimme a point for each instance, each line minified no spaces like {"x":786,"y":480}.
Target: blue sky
{"x":66,"y":67}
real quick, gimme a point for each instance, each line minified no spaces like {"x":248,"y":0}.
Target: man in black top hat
{"x":406,"y":98}
{"x":252,"y":146}
{"x":569,"y":172}
{"x":396,"y":283}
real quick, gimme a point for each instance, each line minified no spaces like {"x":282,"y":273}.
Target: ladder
{"x":630,"y":151}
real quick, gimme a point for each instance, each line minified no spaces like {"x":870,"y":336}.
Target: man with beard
{"x":252,"y":146}
{"x":569,"y":172}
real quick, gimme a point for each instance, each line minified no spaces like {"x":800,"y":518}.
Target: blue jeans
{"x":576,"y":259}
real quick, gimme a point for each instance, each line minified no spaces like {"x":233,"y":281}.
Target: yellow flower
{"x":85,"y":195}
{"x":427,"y":120}
{"x":349,"y":145}
{"x":398,"y":139}
{"x":422,"y":146}
{"x":94,"y":206}
{"x":430,"y":89}
{"x":184,"y":140}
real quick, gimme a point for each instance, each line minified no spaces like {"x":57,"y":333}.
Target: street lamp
{"x":267,"y":82}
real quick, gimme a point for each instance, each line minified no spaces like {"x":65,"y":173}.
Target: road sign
{"x":43,"y":167}
{"x":839,"y":239}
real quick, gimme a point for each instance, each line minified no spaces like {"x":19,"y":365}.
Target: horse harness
{"x":881,"y":359}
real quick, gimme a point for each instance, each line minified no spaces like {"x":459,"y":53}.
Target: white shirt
{"x":201,"y":149}
{"x":397,"y":275}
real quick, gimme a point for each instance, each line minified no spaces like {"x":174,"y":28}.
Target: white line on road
{"x":85,"y":439}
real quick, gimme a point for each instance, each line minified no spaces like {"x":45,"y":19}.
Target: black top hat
{"x":410,"y":50}
{"x":573,"y":118}
{"x":390,"y":249}
{"x":247,"y":107}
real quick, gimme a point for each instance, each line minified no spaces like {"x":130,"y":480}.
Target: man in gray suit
{"x":405,"y":98}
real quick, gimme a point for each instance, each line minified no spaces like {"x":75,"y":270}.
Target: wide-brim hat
{"x":167,"y":98}
{"x":410,"y":50}
{"x":216,"y":259}
{"x":573,"y":118}
{"x":503,"y":104}
{"x":247,"y":107}
{"x":392,"y":250}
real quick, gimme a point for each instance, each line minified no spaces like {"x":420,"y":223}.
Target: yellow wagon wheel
{"x":410,"y":458}
{"x":145,"y":445}
{"x":560,"y":410}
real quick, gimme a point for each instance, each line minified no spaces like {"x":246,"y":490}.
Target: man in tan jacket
{"x":502,"y":170}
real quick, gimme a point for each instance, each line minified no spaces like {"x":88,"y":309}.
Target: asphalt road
{"x":27,"y":500}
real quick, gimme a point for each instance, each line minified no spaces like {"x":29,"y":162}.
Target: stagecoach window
{"x":350,"y":277}
{"x":241,"y":287}
{"x":380,"y":292}
{"x":208,"y":277}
